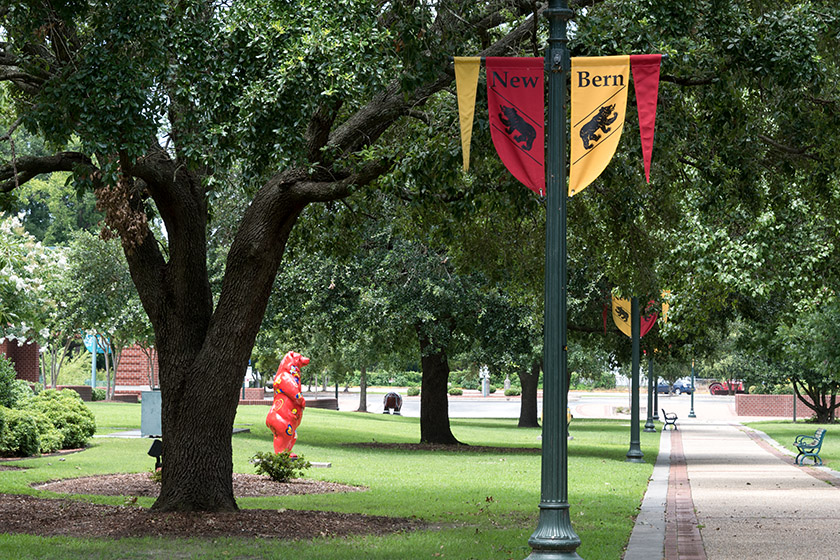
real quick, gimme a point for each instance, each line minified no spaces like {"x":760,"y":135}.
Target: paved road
{"x":583,"y":405}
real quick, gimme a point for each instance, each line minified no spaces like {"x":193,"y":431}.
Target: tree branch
{"x":371,"y":121}
{"x":339,"y":187}
{"x":801,"y":152}
{"x":680,"y":81}
{"x":318,"y":132}
{"x":11,"y":71}
{"x":23,"y":169}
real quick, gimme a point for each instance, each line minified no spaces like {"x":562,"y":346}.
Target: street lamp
{"x":554,"y":537}
{"x":635,"y":454}
{"x":649,"y":425}
{"x":691,"y":412}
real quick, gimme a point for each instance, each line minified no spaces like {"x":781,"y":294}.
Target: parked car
{"x":718,"y":388}
{"x":682,"y":387}
{"x":677,"y":388}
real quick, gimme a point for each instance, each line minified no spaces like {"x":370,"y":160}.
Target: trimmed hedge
{"x":20,"y":436}
{"x":68,"y":413}
{"x":7,"y":382}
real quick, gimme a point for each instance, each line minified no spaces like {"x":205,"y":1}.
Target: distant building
{"x":25,"y":357}
{"x":134,"y":370}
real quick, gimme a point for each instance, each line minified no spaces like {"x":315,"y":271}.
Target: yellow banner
{"x":599,"y":102}
{"x":621,"y":315}
{"x":466,"y":82}
{"x":666,"y":297}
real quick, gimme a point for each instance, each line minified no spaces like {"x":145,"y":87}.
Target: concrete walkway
{"x":730,"y":494}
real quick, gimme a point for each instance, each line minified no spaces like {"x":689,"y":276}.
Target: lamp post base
{"x":553,"y":555}
{"x":635,"y":456}
{"x":554,"y":537}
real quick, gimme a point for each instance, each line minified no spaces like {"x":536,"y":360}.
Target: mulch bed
{"x":141,"y":485}
{"x":76,"y":518}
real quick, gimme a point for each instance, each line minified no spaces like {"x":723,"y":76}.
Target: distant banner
{"x":599,"y":102}
{"x":466,"y":82}
{"x":621,"y":317}
{"x":646,"y":85}
{"x":516,"y":104}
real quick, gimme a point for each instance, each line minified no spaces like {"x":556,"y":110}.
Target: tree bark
{"x":528,"y":401}
{"x":362,"y":390}
{"x":434,"y":395}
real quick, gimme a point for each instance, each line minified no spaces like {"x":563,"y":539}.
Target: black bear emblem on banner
{"x":601,"y":121}
{"x":513,"y":122}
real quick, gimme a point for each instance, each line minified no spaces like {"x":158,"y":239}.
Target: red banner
{"x":621,"y":316}
{"x":516,"y":103}
{"x":646,"y":83}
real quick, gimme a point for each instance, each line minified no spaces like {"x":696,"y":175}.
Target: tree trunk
{"x":823,"y":410}
{"x":434,"y":396}
{"x":362,"y":390}
{"x":197,"y":449}
{"x":203,"y":352}
{"x":528,"y":401}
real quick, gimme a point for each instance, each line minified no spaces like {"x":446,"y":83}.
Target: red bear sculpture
{"x":287,"y":409}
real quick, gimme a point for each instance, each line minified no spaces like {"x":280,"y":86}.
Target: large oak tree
{"x":168,"y":100}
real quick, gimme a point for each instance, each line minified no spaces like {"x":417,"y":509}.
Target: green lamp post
{"x":635,"y":454}
{"x":554,"y":537}
{"x":691,"y":412}
{"x":649,"y":425}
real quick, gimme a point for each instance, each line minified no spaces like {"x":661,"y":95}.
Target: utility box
{"x":150,"y":424}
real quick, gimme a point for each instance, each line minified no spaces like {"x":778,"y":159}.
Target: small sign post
{"x":92,"y":345}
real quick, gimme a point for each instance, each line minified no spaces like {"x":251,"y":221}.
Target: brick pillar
{"x":25,"y":358}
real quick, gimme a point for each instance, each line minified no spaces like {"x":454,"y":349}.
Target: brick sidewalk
{"x":682,"y":536}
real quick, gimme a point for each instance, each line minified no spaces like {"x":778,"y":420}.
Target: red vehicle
{"x":723,"y":388}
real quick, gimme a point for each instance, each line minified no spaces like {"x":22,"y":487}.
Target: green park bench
{"x":809,"y":446}
{"x":670,"y":419}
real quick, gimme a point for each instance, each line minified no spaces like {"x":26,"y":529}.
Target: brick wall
{"x":25,"y":358}
{"x":771,"y":405}
{"x":133,"y":371}
{"x":255,"y":394}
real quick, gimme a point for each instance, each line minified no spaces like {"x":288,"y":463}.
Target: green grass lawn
{"x":480,"y":505}
{"x":786,"y":431}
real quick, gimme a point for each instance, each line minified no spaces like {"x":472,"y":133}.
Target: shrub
{"x":280,"y":466}
{"x":50,"y":438}
{"x":492,"y":389}
{"x":98,"y":394}
{"x":20,"y":433}
{"x":413,"y":391}
{"x":513,"y":392}
{"x":21,"y":391}
{"x":782,"y":389}
{"x":68,"y":413}
{"x":456,"y":391}
{"x":7,"y":382}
